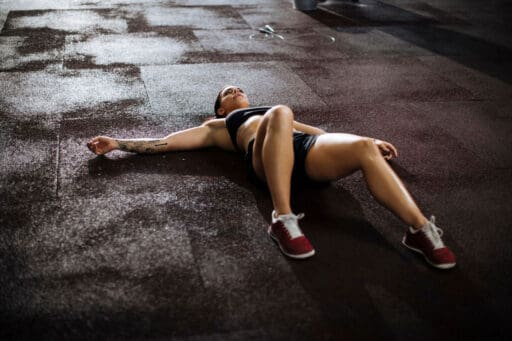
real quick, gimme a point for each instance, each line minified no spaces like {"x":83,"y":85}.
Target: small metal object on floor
{"x":294,"y":38}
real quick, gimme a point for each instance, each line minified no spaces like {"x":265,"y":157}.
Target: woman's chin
{"x":241,"y":103}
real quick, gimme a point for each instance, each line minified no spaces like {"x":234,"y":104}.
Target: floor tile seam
{"x":203,"y":48}
{"x":148,"y":99}
{"x":379,"y":59}
{"x":460,"y":62}
{"x":306,"y":84}
{"x":440,"y":101}
{"x":57,"y":162}
{"x":367,"y":58}
{"x":144,"y":198}
{"x":143,"y":117}
{"x":392,"y":54}
{"x":232,"y":57}
{"x":393,"y":101}
{"x":476,"y":175}
{"x":3,"y":19}
{"x":290,"y":70}
{"x":240,"y":63}
{"x":490,"y":102}
{"x":113,"y":9}
{"x":346,"y":55}
{"x":68,"y":57}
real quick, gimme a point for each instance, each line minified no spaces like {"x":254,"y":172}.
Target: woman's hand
{"x":387,"y":150}
{"x":102,"y":144}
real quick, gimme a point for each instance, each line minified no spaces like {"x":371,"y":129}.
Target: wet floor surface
{"x":174,"y":246}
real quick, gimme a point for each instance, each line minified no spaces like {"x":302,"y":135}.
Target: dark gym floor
{"x":174,"y":246}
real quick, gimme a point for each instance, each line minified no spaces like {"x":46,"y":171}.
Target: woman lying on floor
{"x":280,"y":152}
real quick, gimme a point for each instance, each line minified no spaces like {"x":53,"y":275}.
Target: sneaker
{"x":427,"y":241}
{"x":285,"y":231}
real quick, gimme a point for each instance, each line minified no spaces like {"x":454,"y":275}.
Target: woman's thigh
{"x":277,"y":114}
{"x":334,"y":156}
{"x":257,"y":158}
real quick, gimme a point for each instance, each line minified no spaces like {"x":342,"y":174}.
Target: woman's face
{"x":232,"y":98}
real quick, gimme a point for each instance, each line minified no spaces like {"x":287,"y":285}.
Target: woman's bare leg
{"x":273,"y":155}
{"x":337,"y":155}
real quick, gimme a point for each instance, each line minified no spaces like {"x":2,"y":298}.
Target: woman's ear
{"x":221,"y":112}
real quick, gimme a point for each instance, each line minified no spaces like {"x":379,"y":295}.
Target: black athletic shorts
{"x":301,"y":145}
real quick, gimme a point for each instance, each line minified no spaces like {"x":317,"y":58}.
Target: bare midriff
{"x":247,"y":131}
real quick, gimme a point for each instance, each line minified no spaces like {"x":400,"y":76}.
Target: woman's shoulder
{"x":215,"y":123}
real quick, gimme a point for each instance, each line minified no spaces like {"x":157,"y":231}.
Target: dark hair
{"x":217,"y":103}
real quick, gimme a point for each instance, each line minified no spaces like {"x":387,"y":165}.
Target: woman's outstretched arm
{"x":209,"y":134}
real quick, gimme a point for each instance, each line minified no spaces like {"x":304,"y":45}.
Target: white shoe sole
{"x":439,"y":266}
{"x":301,"y":256}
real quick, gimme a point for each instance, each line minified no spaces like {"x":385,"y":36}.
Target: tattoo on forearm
{"x":143,"y":146}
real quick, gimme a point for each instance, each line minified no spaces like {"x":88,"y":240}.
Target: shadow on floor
{"x":357,"y":277}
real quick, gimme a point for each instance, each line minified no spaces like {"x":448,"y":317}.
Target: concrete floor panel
{"x":3,"y":17}
{"x":364,"y":41}
{"x":71,"y":21}
{"x":90,"y":263}
{"x":297,"y":44}
{"x":402,"y":123}
{"x":276,"y":15}
{"x":79,"y":174}
{"x":31,"y":148}
{"x":16,"y":5}
{"x":183,"y":88}
{"x":111,"y":49}
{"x":486,"y":81}
{"x":201,"y":17}
{"x":19,"y":53}
{"x":477,"y":126}
{"x":380,"y":80}
{"x":54,"y":91}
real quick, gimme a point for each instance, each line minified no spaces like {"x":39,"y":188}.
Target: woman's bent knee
{"x":281,"y":112}
{"x":365,"y":145}
{"x":366,"y":148}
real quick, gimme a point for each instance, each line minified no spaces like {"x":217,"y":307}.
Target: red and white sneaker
{"x":427,"y":241}
{"x":285,"y":231}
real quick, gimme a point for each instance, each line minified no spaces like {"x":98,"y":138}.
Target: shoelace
{"x":293,"y":219}
{"x":435,"y":233}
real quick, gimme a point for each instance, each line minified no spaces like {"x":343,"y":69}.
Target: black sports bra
{"x":237,"y":117}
